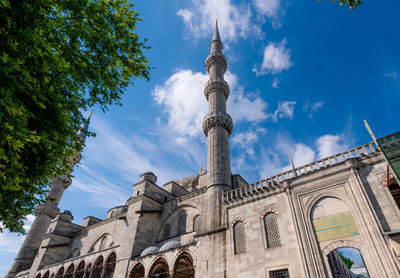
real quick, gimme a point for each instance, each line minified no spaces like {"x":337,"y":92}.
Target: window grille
{"x":282,"y":273}
{"x":182,"y":222}
{"x":271,"y":230}
{"x":239,"y":238}
{"x":196,"y":223}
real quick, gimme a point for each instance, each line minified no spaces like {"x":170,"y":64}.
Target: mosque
{"x":215,"y":224}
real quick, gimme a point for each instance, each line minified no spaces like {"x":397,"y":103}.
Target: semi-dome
{"x":170,"y":245}
{"x":149,"y":250}
{"x":189,"y":240}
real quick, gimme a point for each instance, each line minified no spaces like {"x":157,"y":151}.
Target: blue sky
{"x":303,"y":76}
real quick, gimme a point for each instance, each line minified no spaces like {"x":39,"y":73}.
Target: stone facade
{"x":215,"y":224}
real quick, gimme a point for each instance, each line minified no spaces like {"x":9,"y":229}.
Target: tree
{"x":351,"y":3}
{"x":57,"y":59}
{"x":346,"y":260}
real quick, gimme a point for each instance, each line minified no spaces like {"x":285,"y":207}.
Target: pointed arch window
{"x":271,"y":230}
{"x":182,"y":222}
{"x":80,"y":270}
{"x":239,"y":238}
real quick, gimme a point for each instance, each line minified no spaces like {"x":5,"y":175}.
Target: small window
{"x":271,"y":230}
{"x":182,"y":222}
{"x":282,"y":273}
{"x":112,"y":214}
{"x":196,"y":223}
{"x":138,"y":192}
{"x":239,"y":238}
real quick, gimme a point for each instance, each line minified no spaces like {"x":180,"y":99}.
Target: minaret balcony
{"x":216,"y":59}
{"x":217,"y":119}
{"x":219,"y":85}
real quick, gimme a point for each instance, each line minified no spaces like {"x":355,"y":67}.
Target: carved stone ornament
{"x":216,"y":59}
{"x":49,"y":209}
{"x":63,"y":180}
{"x":217,"y":120}
{"x":216,"y":86}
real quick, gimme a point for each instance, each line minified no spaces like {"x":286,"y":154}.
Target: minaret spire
{"x":45,"y":213}
{"x":217,"y":126}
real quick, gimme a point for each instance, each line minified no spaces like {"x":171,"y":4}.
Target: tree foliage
{"x":57,"y":59}
{"x":346,"y":260}
{"x":351,"y":3}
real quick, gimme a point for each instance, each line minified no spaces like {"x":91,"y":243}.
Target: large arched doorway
{"x":110,"y":265}
{"x":137,"y":271}
{"x":347,"y":262}
{"x":159,"y":269}
{"x":184,"y":267}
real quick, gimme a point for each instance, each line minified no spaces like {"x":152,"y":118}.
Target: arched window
{"x":182,"y":222}
{"x":271,"y":230}
{"x":196,"y":223}
{"x":159,"y":269}
{"x":88,"y":269}
{"x":47,"y":274}
{"x":110,"y":266}
{"x":80,"y":270}
{"x":184,"y":267}
{"x":97,"y":268}
{"x":70,"y":271}
{"x":166,"y":231}
{"x":239,"y":238}
{"x":60,"y":273}
{"x":103,"y":243}
{"x":137,"y":271}
{"x":38,"y":276}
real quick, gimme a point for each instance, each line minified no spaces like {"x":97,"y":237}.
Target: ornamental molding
{"x":216,"y":59}
{"x":48,"y":209}
{"x":220,"y":119}
{"x":216,"y":86}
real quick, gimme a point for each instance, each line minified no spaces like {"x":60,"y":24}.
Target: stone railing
{"x":274,"y":182}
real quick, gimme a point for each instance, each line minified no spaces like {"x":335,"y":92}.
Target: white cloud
{"x":183,"y":100}
{"x":234,"y":20}
{"x":312,"y":107}
{"x":331,"y":144}
{"x":267,"y":7}
{"x":285,"y":110}
{"x":276,"y":59}
{"x":275,"y":83}
{"x":270,"y":9}
{"x":247,"y":140}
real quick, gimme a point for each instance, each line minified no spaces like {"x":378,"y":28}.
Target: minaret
{"x":217,"y":126}
{"x":45,"y":213}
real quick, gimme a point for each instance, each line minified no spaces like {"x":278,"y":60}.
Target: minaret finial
{"x":216,"y":36}
{"x":83,"y":131}
{"x":291,"y":162}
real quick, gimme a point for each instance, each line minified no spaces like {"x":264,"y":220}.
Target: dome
{"x":149,"y":250}
{"x":189,"y":240}
{"x":170,"y":245}
{"x":66,"y":212}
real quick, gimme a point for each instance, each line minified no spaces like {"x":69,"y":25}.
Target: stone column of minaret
{"x":217,"y":126}
{"x":45,"y":213}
